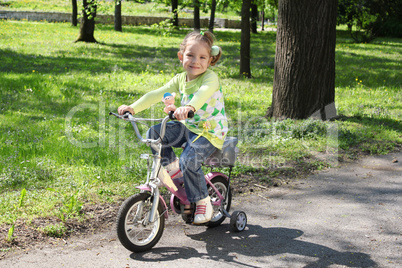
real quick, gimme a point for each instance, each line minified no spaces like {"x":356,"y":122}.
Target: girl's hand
{"x":182,"y":112}
{"x":125,"y":108}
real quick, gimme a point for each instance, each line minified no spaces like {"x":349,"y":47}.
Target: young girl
{"x":200,"y":92}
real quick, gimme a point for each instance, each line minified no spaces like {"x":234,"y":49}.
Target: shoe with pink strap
{"x":204,"y":211}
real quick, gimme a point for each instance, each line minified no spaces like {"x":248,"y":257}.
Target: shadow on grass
{"x":137,"y":59}
{"x":390,"y":124}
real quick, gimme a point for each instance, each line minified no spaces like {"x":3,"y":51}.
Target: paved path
{"x":345,"y":217}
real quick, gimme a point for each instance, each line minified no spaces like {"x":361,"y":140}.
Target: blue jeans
{"x":193,"y":155}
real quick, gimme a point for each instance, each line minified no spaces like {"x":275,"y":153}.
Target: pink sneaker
{"x":204,"y":211}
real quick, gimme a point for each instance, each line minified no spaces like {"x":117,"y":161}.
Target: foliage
{"x":368,"y":19}
{"x":55,"y":230}
{"x":10,"y":234}
{"x":165,"y":28}
{"x":70,"y":205}
{"x":90,"y":8}
{"x":131,"y":8}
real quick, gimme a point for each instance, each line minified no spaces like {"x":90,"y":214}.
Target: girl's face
{"x":195,"y":59}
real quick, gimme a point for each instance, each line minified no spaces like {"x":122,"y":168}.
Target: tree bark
{"x":74,"y":14}
{"x":212,"y":17}
{"x":175,"y":7}
{"x":87,"y":25}
{"x":304,"y":78}
{"x":245,"y":40}
{"x":117,"y":16}
{"x":262,"y":20}
{"x":197,"y":22}
{"x":254,"y":17}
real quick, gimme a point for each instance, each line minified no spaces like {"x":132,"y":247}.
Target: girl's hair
{"x":206,"y":37}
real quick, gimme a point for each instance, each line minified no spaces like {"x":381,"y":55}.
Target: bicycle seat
{"x":225,"y":157}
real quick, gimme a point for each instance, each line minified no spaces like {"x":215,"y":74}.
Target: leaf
{"x":11,"y":233}
{"x":22,"y":196}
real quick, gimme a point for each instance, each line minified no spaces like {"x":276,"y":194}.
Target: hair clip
{"x":215,"y":51}
{"x":201,"y":33}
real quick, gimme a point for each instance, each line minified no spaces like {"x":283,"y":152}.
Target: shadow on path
{"x":260,"y":243}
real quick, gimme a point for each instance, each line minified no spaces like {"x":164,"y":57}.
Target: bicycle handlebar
{"x":133,"y":120}
{"x":172,"y":117}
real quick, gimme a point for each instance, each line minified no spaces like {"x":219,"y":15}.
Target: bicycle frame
{"x":151,"y":184}
{"x":141,"y":217}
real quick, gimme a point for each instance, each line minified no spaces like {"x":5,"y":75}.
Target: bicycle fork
{"x":154,"y":208}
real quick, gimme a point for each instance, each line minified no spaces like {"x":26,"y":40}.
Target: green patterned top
{"x":203,"y":93}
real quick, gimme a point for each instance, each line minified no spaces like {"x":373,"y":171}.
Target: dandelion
{"x":33,"y":71}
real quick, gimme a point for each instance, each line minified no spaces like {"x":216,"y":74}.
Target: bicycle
{"x":140,"y":220}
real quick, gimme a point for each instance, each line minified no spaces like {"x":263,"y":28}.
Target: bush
{"x":369,"y":19}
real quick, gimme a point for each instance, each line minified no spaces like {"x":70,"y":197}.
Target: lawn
{"x":129,"y":8}
{"x":59,"y":144}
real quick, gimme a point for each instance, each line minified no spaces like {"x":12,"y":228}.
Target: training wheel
{"x":238,"y":221}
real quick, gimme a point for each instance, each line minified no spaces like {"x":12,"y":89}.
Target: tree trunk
{"x":212,"y":17}
{"x":74,"y":14}
{"x":87,"y":25}
{"x":304,"y":79}
{"x":254,"y":17}
{"x":245,"y":40}
{"x":197,"y":23}
{"x":175,"y":7}
{"x":262,"y":20}
{"x":117,"y":16}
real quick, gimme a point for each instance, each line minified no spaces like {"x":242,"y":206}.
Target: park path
{"x":350,"y":216}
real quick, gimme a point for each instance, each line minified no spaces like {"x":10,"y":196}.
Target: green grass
{"x":55,"y":96}
{"x":129,"y":8}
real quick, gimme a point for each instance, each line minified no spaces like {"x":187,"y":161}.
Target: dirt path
{"x":345,"y":217}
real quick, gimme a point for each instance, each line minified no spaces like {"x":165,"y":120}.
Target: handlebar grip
{"x":172,"y":117}
{"x":126,"y":113}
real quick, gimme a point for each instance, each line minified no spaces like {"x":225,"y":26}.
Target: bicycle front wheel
{"x":133,"y":229}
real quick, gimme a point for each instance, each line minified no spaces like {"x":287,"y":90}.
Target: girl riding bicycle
{"x":200,"y":92}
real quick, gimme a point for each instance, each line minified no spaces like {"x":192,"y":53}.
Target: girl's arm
{"x":207,"y":87}
{"x":155,"y":96}
{"x":210,"y":84}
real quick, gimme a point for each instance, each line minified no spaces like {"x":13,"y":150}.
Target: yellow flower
{"x":207,"y":125}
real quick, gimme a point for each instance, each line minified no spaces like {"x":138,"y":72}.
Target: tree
{"x":368,"y":19}
{"x":87,"y":26}
{"x":117,"y":16}
{"x":212,"y":17}
{"x":74,"y":14}
{"x":245,"y":40}
{"x":175,"y":8}
{"x":254,"y":17}
{"x":304,"y":75}
{"x":262,"y":17}
{"x":197,"y":22}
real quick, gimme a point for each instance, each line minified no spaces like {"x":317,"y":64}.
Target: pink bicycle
{"x":141,"y":218}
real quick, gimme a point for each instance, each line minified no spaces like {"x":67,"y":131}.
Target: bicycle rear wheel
{"x":222,"y":185}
